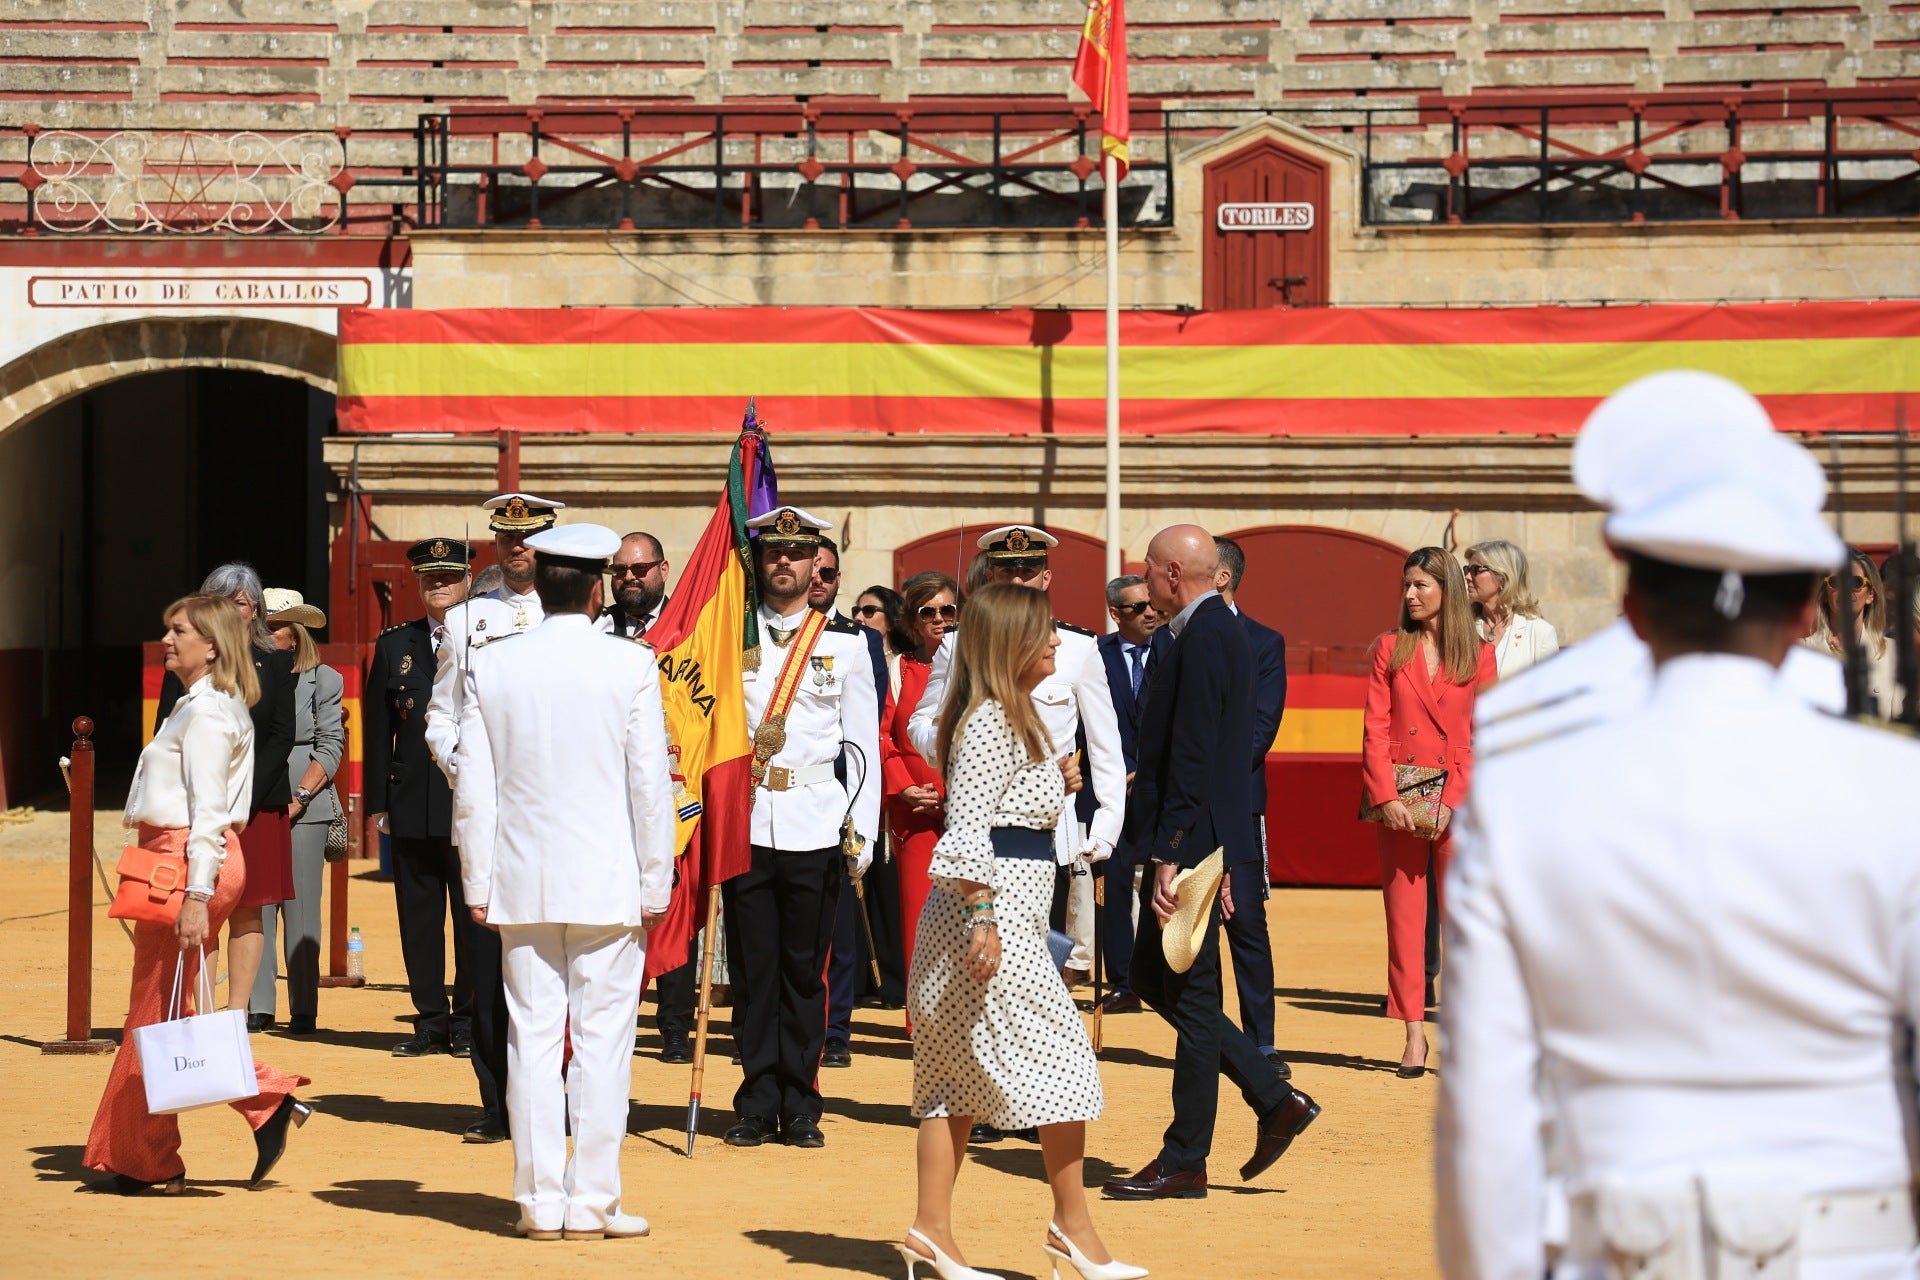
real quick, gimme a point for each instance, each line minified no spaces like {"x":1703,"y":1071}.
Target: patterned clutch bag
{"x":1420,"y":791}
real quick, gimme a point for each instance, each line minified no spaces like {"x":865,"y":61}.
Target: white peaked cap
{"x":790,"y":521}
{"x":576,"y":541}
{"x":1663,"y":432}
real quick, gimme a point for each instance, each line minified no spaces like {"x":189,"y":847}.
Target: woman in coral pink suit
{"x":191,"y":793}
{"x":914,"y":791}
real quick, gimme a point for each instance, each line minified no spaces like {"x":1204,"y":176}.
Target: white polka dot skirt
{"x":1011,"y":1051}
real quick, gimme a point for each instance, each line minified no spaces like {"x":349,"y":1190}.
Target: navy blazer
{"x":1192,"y":790}
{"x":1120,"y":683}
{"x":1269,"y":697}
{"x":397,"y":775}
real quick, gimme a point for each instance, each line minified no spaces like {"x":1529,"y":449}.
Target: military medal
{"x":822,"y":670}
{"x":406,"y":663}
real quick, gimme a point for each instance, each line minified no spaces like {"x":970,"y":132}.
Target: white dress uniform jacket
{"x":470,"y":625}
{"x":1074,"y":697}
{"x":1607,"y":676}
{"x":834,"y":704}
{"x":1704,"y":971}
{"x":1527,"y":641}
{"x":563,"y":798}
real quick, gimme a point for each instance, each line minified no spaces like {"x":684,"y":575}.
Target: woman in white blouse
{"x":996,"y":1035}
{"x":191,"y":794}
{"x":1509,"y":616}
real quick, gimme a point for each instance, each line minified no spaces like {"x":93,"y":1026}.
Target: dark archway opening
{"x":119,"y":500}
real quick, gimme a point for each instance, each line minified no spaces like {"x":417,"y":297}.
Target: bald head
{"x":1181,"y":562}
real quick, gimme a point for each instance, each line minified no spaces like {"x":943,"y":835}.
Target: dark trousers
{"x":1208,"y":1045}
{"x":845,"y":968}
{"x":882,"y":883}
{"x":780,"y":917}
{"x":1252,"y":951}
{"x":676,"y":992}
{"x":426,"y":883}
{"x":489,"y":1023}
{"x":1116,"y":918}
{"x":1433,"y":927}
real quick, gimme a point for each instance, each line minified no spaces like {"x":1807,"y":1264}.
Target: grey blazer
{"x":318,"y":734}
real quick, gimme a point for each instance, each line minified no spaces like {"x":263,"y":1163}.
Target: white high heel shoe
{"x":1115,"y":1270}
{"x":943,"y":1266}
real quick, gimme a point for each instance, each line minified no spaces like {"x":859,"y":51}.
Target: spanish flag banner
{"x":1100,"y":69}
{"x":1315,"y":371}
{"x":704,"y":637}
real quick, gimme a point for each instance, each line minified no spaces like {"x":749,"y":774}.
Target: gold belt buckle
{"x":779,"y":777}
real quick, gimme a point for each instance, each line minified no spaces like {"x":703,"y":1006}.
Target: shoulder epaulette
{"x":1068,"y":626}
{"x":845,"y":626}
{"x":395,"y":627}
{"x":495,"y":638}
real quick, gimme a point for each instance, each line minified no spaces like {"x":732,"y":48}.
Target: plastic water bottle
{"x":356,"y":954}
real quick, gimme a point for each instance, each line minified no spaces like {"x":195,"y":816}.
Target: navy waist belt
{"x":1022,"y":842}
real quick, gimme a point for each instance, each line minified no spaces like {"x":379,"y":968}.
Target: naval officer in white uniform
{"x":1075,"y":698}
{"x":1684,"y":955}
{"x":567,"y":838}
{"x":811,"y":699}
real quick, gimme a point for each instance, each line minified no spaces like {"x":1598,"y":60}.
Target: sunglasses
{"x":1850,"y":582}
{"x":640,"y":570}
{"x":828,"y":573}
{"x":945,"y":613}
{"x":1137,"y":608}
{"x":1475,"y":570}
{"x":868,"y":610}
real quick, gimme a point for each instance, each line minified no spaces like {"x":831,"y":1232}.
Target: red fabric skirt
{"x":267,"y":848}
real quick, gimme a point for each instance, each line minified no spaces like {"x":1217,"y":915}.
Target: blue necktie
{"x":1136,"y":658}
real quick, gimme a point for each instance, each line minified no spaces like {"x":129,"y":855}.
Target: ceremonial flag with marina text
{"x":703,"y":636}
{"x":1100,"y":69}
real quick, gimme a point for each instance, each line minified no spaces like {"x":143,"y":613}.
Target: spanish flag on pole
{"x":1101,"y":72}
{"x":706,"y":636}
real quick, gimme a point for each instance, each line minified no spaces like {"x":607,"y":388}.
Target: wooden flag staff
{"x":700,"y":1017}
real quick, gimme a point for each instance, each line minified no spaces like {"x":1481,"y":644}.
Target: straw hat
{"x":1194,"y":890}
{"x":287,"y":605}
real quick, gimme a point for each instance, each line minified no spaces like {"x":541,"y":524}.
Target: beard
{"x":638,"y":602}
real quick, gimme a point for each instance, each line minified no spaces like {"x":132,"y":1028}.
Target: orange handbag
{"x":153,"y":885}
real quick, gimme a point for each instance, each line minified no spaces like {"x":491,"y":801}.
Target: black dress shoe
{"x":838,"y":1053}
{"x":419,"y":1045}
{"x":1278,"y":1129}
{"x":270,"y":1139}
{"x":1410,"y":1073}
{"x":803,"y":1131}
{"x":126,"y":1186}
{"x":488,"y":1128}
{"x":677,"y":1049}
{"x":302,"y":1024}
{"x":1156,"y":1183}
{"x":259,"y":1022}
{"x":461,"y":1045}
{"x":750,"y":1131}
{"x":985,"y":1133}
{"x":1120,"y":1002}
{"x":1280,"y":1068}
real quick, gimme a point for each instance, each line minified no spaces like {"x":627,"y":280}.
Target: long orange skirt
{"x":126,"y":1138}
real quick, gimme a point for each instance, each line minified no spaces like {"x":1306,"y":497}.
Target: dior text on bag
{"x":153,"y":884}
{"x":199,"y":1061}
{"x":1420,"y":790}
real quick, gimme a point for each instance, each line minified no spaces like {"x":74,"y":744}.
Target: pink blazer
{"x":1411,"y":719}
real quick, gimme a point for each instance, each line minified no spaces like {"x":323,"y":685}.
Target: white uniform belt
{"x":1831,"y":1224}
{"x":781,"y":778}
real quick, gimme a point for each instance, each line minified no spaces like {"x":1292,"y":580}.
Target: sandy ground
{"x":379,"y":1182}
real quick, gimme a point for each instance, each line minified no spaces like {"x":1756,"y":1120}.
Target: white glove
{"x":1099,"y":853}
{"x":863,"y":861}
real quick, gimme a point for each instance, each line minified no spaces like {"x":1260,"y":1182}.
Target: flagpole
{"x":1110,"y":213}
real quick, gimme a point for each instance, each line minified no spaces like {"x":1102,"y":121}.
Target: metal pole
{"x":338,"y":917}
{"x":1110,"y":211}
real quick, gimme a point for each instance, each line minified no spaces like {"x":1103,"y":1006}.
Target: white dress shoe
{"x":621,"y":1226}
{"x":524,"y":1228}
{"x":1115,"y":1270}
{"x":943,"y":1266}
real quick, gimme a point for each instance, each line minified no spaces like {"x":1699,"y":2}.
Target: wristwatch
{"x":200,"y":895}
{"x":303,"y":795}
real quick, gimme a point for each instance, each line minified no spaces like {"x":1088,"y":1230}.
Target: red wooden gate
{"x":1079,"y":590}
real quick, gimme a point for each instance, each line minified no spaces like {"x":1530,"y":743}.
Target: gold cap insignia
{"x":787,"y":525}
{"x":439,"y":549}
{"x":1018,"y":540}
{"x":516,"y":508}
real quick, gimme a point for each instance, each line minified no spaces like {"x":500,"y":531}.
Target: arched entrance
{"x":1079,"y":590}
{"x":1329,"y":591}
{"x":158,"y":449}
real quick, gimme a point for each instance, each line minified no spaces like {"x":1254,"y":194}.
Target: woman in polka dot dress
{"x":997,"y":1038}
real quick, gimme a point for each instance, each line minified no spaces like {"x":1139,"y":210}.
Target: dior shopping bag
{"x":198,"y":1061}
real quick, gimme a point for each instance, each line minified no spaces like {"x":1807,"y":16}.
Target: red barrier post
{"x":80,"y":1037}
{"x":337,"y":927}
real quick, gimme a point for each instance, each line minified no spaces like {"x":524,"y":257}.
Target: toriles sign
{"x":1261,"y":216}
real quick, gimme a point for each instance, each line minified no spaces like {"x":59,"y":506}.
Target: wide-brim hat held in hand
{"x":287,"y":605}
{"x":1194,"y":891}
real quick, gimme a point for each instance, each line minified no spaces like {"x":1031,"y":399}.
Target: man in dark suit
{"x":1124,"y":652}
{"x":1247,"y":930}
{"x":849,"y":960}
{"x":1192,"y":794}
{"x":408,"y":792}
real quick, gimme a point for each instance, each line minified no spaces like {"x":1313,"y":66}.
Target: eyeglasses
{"x":1475,"y":570}
{"x":1137,"y":608}
{"x":827,"y":573}
{"x":1850,"y":582}
{"x":639,"y":570}
{"x":868,"y":610}
{"x":945,"y":612}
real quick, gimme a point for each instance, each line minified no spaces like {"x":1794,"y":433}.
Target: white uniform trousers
{"x":588,"y":975}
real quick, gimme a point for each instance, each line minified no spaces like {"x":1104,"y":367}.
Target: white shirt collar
{"x":783,"y":621}
{"x":1180,"y":619}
